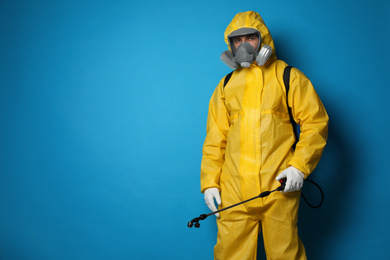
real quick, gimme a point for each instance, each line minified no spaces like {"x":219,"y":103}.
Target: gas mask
{"x":245,"y":53}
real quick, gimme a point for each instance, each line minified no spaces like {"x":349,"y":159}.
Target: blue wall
{"x":103,"y":107}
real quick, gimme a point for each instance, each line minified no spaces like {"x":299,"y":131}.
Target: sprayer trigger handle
{"x":282,"y":184}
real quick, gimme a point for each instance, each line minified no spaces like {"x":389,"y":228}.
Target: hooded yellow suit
{"x":249,"y":142}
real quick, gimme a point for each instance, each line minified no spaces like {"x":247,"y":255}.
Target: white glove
{"x":294,"y":179}
{"x":209,"y":195}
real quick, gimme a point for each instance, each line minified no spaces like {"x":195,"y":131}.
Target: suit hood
{"x":249,"y":20}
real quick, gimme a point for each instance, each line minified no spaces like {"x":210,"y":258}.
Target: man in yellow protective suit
{"x":249,"y":143}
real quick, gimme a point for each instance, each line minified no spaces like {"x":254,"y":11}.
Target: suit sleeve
{"x":215,"y":141}
{"x":309,"y":112}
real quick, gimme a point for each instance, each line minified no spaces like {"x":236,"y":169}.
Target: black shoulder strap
{"x":227,"y":78}
{"x":286,"y":80}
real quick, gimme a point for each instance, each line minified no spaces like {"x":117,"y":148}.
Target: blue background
{"x":103,"y":108}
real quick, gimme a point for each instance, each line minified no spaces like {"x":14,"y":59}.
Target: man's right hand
{"x":209,"y":195}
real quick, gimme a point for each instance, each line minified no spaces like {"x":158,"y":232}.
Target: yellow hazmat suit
{"x":249,"y":142}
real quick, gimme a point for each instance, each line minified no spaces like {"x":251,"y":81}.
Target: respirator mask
{"x":245,"y":53}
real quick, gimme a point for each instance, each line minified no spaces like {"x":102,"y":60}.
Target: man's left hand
{"x":294,"y":177}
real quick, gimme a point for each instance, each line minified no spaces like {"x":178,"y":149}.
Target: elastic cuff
{"x":208,"y":187}
{"x":299,"y":167}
